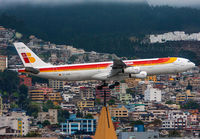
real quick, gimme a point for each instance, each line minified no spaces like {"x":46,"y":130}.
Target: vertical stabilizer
{"x":28,"y":57}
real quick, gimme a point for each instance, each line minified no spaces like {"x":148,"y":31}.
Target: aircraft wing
{"x":118,"y":64}
{"x":117,"y":67}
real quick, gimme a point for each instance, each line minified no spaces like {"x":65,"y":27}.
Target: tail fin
{"x":28,"y":57}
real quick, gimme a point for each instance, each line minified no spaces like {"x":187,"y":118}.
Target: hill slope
{"x":105,"y":27}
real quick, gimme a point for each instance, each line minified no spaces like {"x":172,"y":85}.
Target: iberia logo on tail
{"x":28,"y":58}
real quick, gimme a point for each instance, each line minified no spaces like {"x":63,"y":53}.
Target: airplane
{"x":115,"y":70}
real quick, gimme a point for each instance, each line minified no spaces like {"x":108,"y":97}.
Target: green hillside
{"x":105,"y":27}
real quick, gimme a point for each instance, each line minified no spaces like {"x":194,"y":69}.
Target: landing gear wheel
{"x":99,"y":87}
{"x":104,"y":84}
{"x":117,"y":84}
{"x":111,"y":86}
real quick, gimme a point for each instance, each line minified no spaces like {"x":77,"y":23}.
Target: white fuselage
{"x":102,"y":70}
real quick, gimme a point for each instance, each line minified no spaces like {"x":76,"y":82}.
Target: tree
{"x":14,"y":105}
{"x":157,"y":122}
{"x":129,"y":91}
{"x":111,"y":102}
{"x":62,"y":115}
{"x":191,"y":105}
{"x":9,"y":81}
{"x":33,"y":109}
{"x":79,"y":114}
{"x":38,"y":80}
{"x":16,"y":94}
{"x":89,"y":116}
{"x":23,"y":91}
{"x":23,"y":96}
{"x":33,"y":134}
{"x":169,"y":102}
{"x":45,"y":123}
{"x":138,"y":122}
{"x":174,"y":133}
{"x":48,"y":105}
{"x":5,"y":94}
{"x":38,"y":123}
{"x":98,"y":101}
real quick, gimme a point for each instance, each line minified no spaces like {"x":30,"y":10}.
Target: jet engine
{"x":141,"y":75}
{"x":132,"y":70}
{"x":32,"y":70}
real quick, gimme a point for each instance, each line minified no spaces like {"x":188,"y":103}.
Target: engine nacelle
{"x":141,"y":75}
{"x":132,"y":70}
{"x":32,"y":70}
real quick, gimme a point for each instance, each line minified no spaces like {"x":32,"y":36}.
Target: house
{"x":51,"y":116}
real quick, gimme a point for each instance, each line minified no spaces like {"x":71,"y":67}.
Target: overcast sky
{"x":179,"y":3}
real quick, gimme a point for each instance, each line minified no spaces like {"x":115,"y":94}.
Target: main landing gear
{"x":111,"y":86}
{"x":104,"y":84}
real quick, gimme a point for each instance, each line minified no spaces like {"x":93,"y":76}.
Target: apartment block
{"x":183,"y":97}
{"x":87,"y":93}
{"x":17,"y":122}
{"x":73,"y":126}
{"x":176,"y":120}
{"x":25,"y":80}
{"x":44,"y":94}
{"x":119,"y":111}
{"x":56,"y":84}
{"x":123,"y":87}
{"x":85,"y":104}
{"x":152,"y":94}
{"x":125,"y":98}
{"x":100,"y":93}
{"x":3,"y":62}
{"x":51,"y":116}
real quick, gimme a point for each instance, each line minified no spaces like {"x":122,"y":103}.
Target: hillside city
{"x":157,"y":107}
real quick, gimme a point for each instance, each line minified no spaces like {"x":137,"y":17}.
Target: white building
{"x":69,"y":107}
{"x":75,"y":89}
{"x":67,"y":97}
{"x":17,"y":121}
{"x":123,"y":87}
{"x":126,"y":98}
{"x":139,"y":107}
{"x":176,"y":119}
{"x":174,"y":36}
{"x":152,"y":94}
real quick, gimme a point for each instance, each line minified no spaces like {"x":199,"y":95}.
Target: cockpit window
{"x":188,"y":61}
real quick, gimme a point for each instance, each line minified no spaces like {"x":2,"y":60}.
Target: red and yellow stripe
{"x":152,"y":62}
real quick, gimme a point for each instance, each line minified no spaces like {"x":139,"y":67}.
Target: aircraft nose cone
{"x":193,"y":65}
